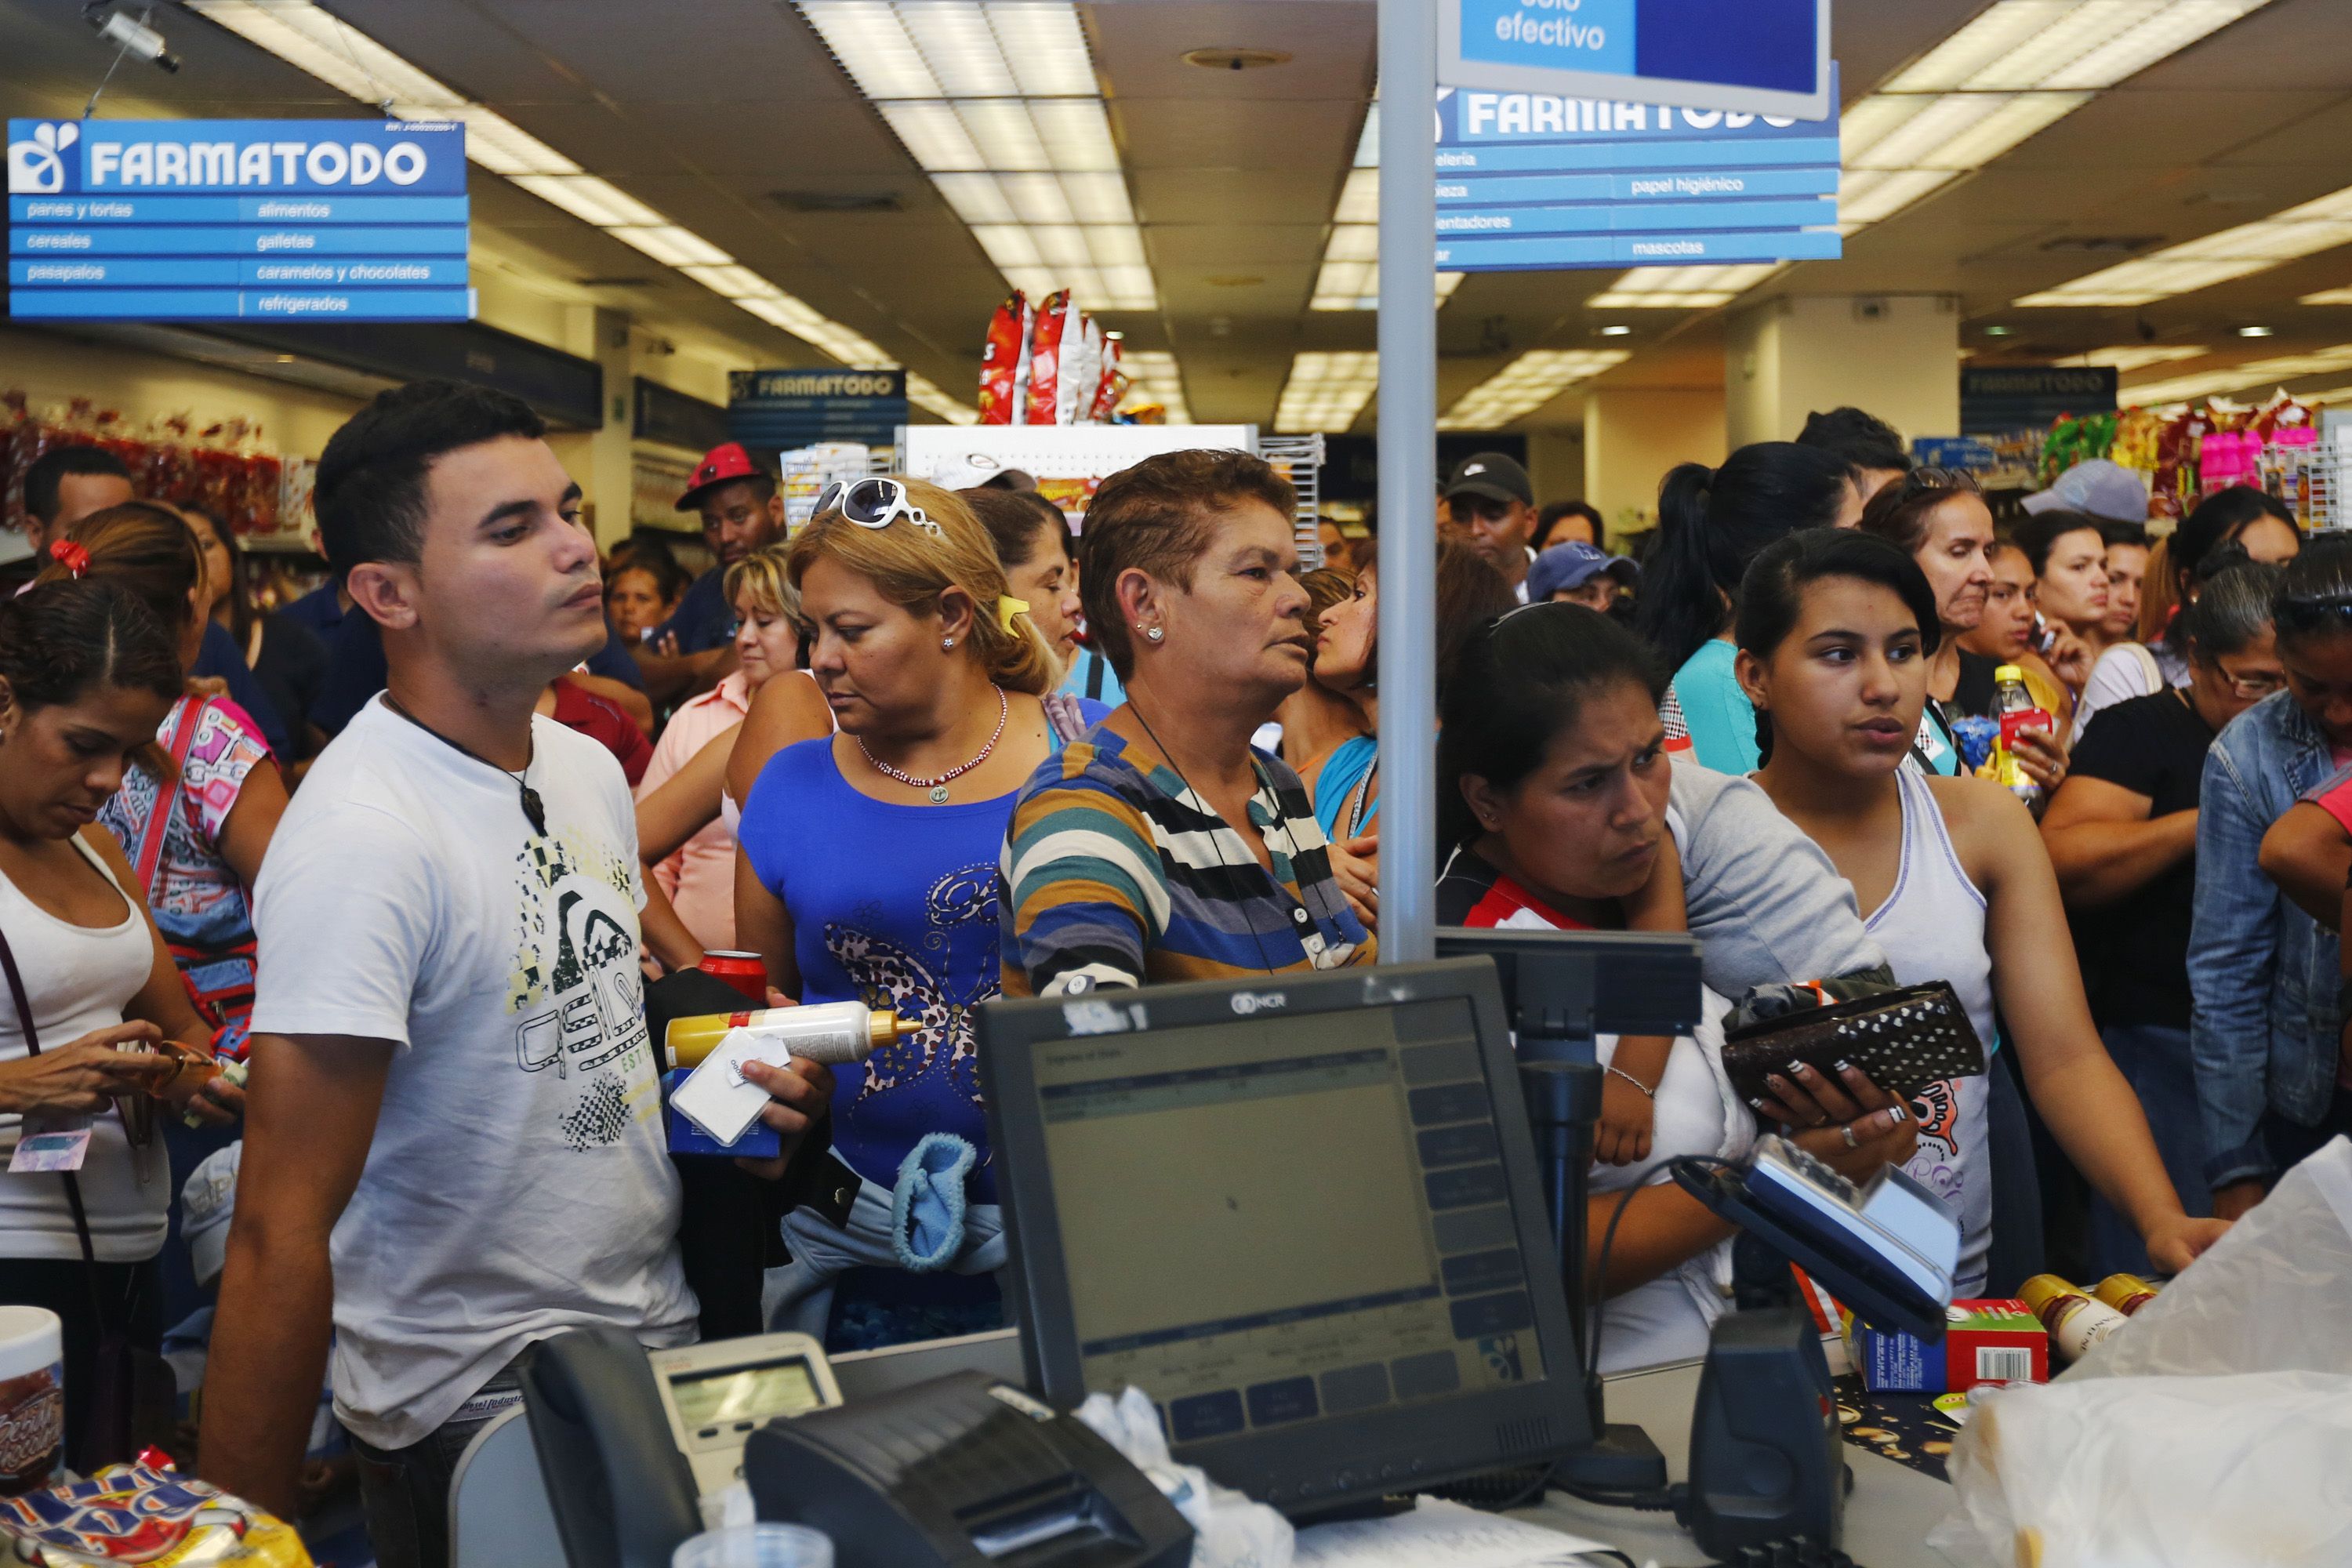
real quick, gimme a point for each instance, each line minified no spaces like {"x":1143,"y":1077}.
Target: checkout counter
{"x":1307,"y":1217}
{"x":500,"y":1516}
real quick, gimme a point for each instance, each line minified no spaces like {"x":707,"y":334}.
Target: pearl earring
{"x":1154,"y":633}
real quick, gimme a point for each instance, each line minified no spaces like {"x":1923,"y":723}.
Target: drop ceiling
{"x":730,"y":117}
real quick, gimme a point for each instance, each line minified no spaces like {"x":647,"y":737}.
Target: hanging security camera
{"x":135,"y":37}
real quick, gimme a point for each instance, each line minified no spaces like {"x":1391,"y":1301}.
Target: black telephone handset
{"x":622,"y":1493}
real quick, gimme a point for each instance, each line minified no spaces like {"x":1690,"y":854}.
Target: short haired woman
{"x":1711,"y":523}
{"x":1163,"y":846}
{"x":2122,"y":836}
{"x":1836,"y":632}
{"x":867,"y":872}
{"x":2265,"y":1032}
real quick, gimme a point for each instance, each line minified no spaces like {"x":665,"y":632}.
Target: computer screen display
{"x":1287,"y":1218}
{"x":1303,"y":1215}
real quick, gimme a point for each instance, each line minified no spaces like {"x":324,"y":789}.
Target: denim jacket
{"x":2263,"y":974}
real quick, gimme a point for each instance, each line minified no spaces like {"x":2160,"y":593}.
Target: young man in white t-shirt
{"x":453,"y":1139}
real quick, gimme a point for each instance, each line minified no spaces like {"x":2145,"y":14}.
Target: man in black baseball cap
{"x":1493,"y":507}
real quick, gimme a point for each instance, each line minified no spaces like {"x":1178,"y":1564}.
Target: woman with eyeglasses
{"x":1163,"y":846}
{"x":2265,"y":1027}
{"x":2122,"y":836}
{"x":2260,"y":529}
{"x":1836,"y":632}
{"x":867,"y":872}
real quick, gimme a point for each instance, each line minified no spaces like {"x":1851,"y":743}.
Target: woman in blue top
{"x":1711,"y":523}
{"x":1470,"y":592}
{"x":868,"y":873}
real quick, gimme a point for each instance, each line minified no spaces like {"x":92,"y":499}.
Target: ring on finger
{"x":1851,"y":1141}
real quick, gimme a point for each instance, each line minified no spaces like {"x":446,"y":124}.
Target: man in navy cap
{"x":1492,"y":505}
{"x":1578,"y":574}
{"x":741,"y":511}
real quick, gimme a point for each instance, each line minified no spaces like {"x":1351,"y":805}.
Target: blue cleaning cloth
{"x":927,"y":1208}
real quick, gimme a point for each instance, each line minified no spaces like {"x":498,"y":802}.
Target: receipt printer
{"x":962,"y":1472}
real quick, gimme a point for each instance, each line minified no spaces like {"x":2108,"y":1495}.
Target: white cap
{"x":2096,"y":488}
{"x":207,"y":1199}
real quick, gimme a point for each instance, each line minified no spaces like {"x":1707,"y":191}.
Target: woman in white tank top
{"x":1834,"y":632}
{"x":86,"y":675}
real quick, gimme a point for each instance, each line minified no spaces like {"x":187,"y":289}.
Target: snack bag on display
{"x":1110,"y":385}
{"x":1046,"y":356}
{"x":999,"y":356}
{"x":148,"y":1515}
{"x":1081,"y":371}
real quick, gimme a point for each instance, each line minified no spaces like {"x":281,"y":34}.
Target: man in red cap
{"x":741,"y":511}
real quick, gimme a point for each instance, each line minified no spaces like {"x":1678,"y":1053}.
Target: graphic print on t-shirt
{"x":888,"y":978}
{"x":576,"y":990}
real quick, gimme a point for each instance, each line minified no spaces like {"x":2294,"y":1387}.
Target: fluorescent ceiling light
{"x":1527,"y":384}
{"x":1349,"y":277}
{"x":2135,"y":356}
{"x":997,"y":100}
{"x":312,"y":40}
{"x":1681,"y":288}
{"x":1153,"y":377}
{"x":2255,"y":374}
{"x":2238,"y":252}
{"x":2328,"y":297}
{"x":1325,"y":392}
{"x":2018,"y":45}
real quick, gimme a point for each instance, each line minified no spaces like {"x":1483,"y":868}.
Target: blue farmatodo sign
{"x":214,"y":220}
{"x":1764,"y":57}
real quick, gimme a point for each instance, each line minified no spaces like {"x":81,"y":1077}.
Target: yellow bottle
{"x":2077,"y":1321}
{"x":829,"y":1032}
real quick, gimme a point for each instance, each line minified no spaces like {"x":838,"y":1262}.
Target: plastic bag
{"x":2216,"y":1426}
{"x":2274,"y":1295}
{"x":1229,"y":1530}
{"x":2156,"y":1472}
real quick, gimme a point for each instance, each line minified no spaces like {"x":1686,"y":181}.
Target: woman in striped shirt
{"x":1163,"y":846}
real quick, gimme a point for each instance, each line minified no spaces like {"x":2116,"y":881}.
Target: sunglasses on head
{"x":1920,"y":480}
{"x":873,"y":504}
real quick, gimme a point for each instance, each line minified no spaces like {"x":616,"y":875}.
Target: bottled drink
{"x":2018,"y":712}
{"x":2127,"y":1293}
{"x":2077,"y":1322}
{"x":830,"y":1032}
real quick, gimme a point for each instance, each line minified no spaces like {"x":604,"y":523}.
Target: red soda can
{"x":743,"y":971}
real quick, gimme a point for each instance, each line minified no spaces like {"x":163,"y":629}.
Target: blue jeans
{"x":2154,"y":1060}
{"x":405,"y":1492}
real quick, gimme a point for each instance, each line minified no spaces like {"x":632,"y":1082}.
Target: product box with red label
{"x":1988,"y":1341}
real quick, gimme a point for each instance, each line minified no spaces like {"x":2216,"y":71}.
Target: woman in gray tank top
{"x":1835,"y":631}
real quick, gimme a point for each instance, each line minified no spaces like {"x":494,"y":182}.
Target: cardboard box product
{"x":1987,"y":1342}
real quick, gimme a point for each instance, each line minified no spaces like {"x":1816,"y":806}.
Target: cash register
{"x":1305,"y":1215}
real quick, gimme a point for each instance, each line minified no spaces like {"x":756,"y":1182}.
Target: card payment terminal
{"x":717,"y":1394}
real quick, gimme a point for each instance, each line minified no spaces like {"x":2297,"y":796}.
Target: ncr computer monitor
{"x":1569,"y":986}
{"x":1302,"y":1214}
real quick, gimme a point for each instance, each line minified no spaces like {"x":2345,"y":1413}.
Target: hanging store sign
{"x":1760,"y":57}
{"x":1530,"y":181}
{"x":206,"y":220}
{"x":1999,"y":400}
{"x":776,"y":410}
